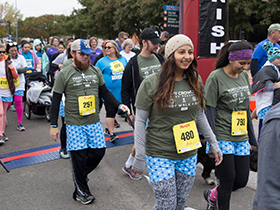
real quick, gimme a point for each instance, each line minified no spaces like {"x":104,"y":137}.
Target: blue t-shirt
{"x":94,"y":55}
{"x":112,"y":71}
{"x":29,"y":59}
{"x":261,"y":54}
{"x":120,"y":47}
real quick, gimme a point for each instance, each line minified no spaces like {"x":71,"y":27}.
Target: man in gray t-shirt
{"x":138,"y":68}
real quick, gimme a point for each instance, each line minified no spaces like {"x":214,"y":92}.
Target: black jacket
{"x":131,"y":80}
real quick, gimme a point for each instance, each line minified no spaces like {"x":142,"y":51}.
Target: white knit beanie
{"x":175,"y":42}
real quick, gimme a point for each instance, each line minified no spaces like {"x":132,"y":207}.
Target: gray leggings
{"x":172,"y":194}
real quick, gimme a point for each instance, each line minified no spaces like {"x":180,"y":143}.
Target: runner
{"x":227,"y":94}
{"x":173,"y":101}
{"x":8,"y":74}
{"x":21,"y":67}
{"x":138,"y":68}
{"x":42,"y":55}
{"x":112,"y":67}
{"x":81,"y":83}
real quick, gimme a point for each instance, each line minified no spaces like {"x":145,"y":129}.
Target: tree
{"x":8,"y":13}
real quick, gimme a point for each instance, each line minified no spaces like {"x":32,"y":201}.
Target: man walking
{"x":81,"y":83}
{"x":138,"y":68}
{"x":260,"y":55}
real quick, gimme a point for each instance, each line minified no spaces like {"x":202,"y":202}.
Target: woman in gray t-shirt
{"x":173,"y":101}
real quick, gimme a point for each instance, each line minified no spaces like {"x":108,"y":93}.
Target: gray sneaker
{"x":131,"y":174}
{"x":6,"y":138}
{"x":20,"y":127}
{"x":113,"y":137}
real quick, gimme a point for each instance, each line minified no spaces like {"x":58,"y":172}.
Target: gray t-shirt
{"x":227,"y":94}
{"x":147,"y":66}
{"x":70,"y":82}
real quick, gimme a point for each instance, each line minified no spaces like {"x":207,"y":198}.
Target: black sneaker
{"x":211,"y":205}
{"x":64,"y":154}
{"x":84,"y":199}
{"x":2,"y":141}
{"x":106,"y":132}
{"x":116,"y":124}
{"x":113,"y":137}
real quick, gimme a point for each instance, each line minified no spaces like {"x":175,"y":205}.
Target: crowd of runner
{"x":161,"y":92}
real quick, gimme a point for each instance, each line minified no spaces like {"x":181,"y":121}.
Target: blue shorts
{"x":161,"y":169}
{"x":263,"y":112}
{"x":237,"y":148}
{"x":81,"y":137}
{"x":19,"y":93}
{"x":6,"y":99}
{"x":61,"y":109}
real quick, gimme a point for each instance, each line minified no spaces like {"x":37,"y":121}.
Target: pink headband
{"x":240,"y":55}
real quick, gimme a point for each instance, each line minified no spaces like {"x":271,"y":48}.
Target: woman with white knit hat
{"x":173,"y":100}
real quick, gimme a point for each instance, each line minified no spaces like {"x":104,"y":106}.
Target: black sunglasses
{"x":108,"y":48}
{"x":2,"y":52}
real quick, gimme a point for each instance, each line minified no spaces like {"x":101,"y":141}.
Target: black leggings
{"x":63,"y":134}
{"x":83,"y":162}
{"x":233,"y":174}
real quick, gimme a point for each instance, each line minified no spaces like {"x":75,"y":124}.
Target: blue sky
{"x":40,"y":7}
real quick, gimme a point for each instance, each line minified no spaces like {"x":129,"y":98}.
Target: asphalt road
{"x":49,"y":185}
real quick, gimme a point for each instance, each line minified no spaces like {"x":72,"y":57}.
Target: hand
{"x":54,"y":133}
{"x":59,"y":66}
{"x":218,"y":159}
{"x":132,"y":120}
{"x":276,"y":85}
{"x":11,"y":66}
{"x":124,"y":108}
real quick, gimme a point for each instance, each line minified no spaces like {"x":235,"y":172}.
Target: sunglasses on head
{"x":12,"y":44}
{"x":108,"y":48}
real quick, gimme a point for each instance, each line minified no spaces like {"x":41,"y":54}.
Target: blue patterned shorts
{"x":161,"y":169}
{"x":85,"y":136}
{"x":237,"y":148}
{"x":6,"y":99}
{"x":19,"y":93}
{"x":263,"y":111}
{"x":61,"y":109}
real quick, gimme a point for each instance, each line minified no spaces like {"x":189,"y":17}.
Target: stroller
{"x":38,"y":95}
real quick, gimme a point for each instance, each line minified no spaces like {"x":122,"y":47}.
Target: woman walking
{"x":173,"y":101}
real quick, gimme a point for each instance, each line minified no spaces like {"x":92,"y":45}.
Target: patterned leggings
{"x":172,"y":194}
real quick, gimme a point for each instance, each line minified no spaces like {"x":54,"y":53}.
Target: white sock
{"x":129,"y":161}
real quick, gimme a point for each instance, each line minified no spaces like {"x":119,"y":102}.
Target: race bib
{"x":239,"y":123}
{"x":117,"y":70}
{"x":86,"y":105}
{"x":4,"y":82}
{"x":186,"y":137}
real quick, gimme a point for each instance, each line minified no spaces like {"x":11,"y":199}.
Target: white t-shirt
{"x":4,"y":89}
{"x":20,"y":62}
{"x":127,"y":55}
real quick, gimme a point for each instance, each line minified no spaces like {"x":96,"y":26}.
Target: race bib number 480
{"x":186,"y":137}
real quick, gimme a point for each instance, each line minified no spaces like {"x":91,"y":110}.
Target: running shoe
{"x":211,"y":205}
{"x":86,"y":199}
{"x":113,"y":137}
{"x":5,"y":137}
{"x":106,"y":132}
{"x":116,"y":124}
{"x":20,"y":127}
{"x":64,"y":154}
{"x":130,"y":173}
{"x":2,"y":141}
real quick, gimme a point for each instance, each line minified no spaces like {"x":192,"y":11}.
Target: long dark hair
{"x":222,"y":57}
{"x":166,"y":84}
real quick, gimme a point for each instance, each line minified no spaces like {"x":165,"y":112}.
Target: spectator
{"x":260,"y":55}
{"x":127,"y":47}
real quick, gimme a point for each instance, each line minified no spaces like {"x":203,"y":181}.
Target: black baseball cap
{"x":151,"y":34}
